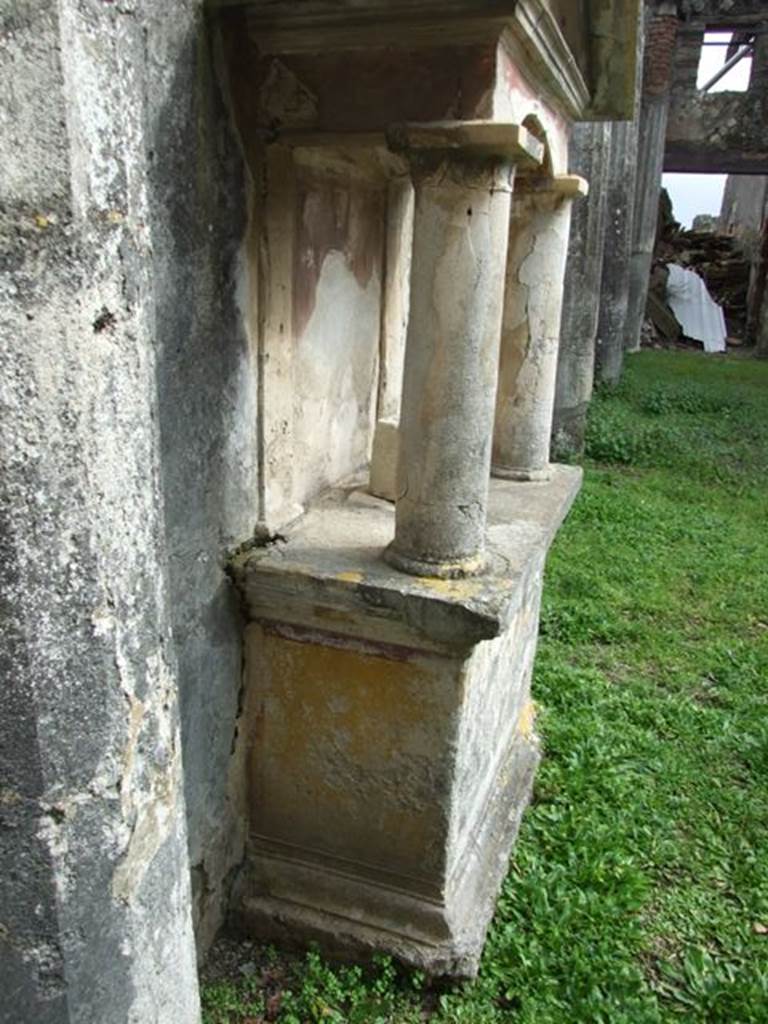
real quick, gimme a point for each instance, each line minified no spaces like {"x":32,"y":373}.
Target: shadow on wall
{"x":207,"y":394}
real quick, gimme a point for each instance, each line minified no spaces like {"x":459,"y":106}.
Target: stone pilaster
{"x":532,"y":307}
{"x":758,"y":324}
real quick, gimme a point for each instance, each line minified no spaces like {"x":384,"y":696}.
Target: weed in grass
{"x":638,"y":893}
{"x":233,"y":1002}
{"x":689,"y":397}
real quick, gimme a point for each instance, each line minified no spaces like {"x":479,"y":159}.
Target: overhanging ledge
{"x":328,"y":574}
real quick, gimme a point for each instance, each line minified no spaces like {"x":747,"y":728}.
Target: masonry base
{"x":390,"y":735}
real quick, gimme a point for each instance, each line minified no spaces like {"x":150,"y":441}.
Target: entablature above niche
{"x":284,"y":26}
{"x":583,"y":63}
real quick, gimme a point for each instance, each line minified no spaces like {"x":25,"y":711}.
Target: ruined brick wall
{"x":660,"y":40}
{"x":720,"y":131}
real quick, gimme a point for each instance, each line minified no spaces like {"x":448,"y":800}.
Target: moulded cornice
{"x":533,"y":34}
{"x":284,"y":26}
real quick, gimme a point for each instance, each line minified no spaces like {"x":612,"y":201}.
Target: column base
{"x":460,"y":569}
{"x":283,"y":897}
{"x":522,"y":475}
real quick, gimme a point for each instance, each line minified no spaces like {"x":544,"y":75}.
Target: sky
{"x":703,"y":193}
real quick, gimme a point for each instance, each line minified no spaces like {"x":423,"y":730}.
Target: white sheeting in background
{"x":697,"y":312}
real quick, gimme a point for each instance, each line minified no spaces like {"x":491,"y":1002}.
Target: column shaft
{"x":648,"y":163}
{"x":617,"y":254}
{"x":532,"y":306}
{"x":461,"y":225}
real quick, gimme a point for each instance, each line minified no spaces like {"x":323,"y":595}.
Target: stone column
{"x":614,"y":288}
{"x":532,"y":307}
{"x":589,"y":151}
{"x":661,"y":34}
{"x":758,"y":311}
{"x":757,"y":302}
{"x":396,"y":297}
{"x":461,"y":225}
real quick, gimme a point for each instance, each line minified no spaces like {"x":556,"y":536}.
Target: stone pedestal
{"x":530,"y":332}
{"x":391,"y":730}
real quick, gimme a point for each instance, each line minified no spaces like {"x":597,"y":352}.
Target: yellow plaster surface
{"x":527,"y":720}
{"x":461,"y":589}
{"x":353,"y":753}
{"x":350,"y":577}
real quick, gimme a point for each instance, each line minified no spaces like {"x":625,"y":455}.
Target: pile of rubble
{"x":715,"y":257}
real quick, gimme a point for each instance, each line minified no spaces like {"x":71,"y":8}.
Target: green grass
{"x":639,"y":886}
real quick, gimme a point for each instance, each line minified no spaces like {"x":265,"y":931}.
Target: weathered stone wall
{"x":717,"y":132}
{"x":315,"y":262}
{"x":207,"y":415}
{"x":92,"y":774}
{"x":128,"y":415}
{"x":337,"y":300}
{"x":729,"y":13}
{"x":660,"y":39}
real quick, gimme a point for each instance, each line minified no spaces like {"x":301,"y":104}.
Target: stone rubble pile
{"x":716,"y":257}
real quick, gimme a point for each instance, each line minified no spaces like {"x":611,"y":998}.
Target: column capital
{"x":569,"y":186}
{"x":511,"y":143}
{"x":431,"y":143}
